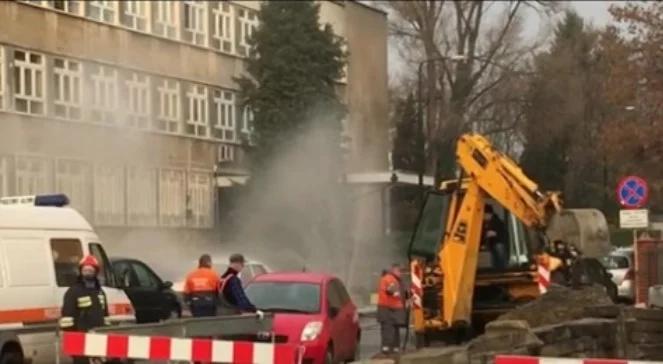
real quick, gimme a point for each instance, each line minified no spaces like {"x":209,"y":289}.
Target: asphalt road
{"x":370,"y":338}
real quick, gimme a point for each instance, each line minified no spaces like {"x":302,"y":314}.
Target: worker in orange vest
{"x":391,"y":309}
{"x":201,"y":288}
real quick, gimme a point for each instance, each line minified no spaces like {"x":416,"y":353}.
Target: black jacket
{"x":84,"y":308}
{"x":233,"y":294}
{"x":495,"y":224}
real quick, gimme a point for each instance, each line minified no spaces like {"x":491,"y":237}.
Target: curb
{"x":370,"y":311}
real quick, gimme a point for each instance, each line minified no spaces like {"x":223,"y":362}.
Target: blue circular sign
{"x":632,"y":192}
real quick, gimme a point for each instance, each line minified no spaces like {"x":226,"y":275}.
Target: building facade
{"x":131,"y":109}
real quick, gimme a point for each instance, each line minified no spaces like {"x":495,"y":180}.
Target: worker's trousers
{"x":390,"y":319}
{"x":390,"y":335}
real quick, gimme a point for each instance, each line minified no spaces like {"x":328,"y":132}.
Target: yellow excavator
{"x":455,"y":286}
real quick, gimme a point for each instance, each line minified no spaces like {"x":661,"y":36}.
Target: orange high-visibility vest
{"x":202,"y":280}
{"x":387,"y":282}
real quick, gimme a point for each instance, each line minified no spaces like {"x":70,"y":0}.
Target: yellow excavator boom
{"x":485,"y":173}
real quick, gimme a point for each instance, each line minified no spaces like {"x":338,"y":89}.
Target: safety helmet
{"x":89,"y":260}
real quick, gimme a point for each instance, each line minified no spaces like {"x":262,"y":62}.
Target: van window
{"x":23,"y":255}
{"x":67,"y":253}
{"x":106,"y":277}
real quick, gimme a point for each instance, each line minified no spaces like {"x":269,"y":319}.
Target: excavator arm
{"x":499,"y":177}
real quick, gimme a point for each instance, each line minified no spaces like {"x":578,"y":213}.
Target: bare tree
{"x":473,"y":56}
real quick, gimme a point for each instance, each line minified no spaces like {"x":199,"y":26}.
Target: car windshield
{"x":285,"y":296}
{"x":615,"y":262}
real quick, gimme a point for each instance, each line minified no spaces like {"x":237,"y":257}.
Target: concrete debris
{"x":559,"y":304}
{"x":503,"y":337}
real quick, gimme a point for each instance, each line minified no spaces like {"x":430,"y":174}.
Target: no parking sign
{"x":632,"y":192}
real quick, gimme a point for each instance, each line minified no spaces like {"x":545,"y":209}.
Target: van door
{"x":118,"y":302}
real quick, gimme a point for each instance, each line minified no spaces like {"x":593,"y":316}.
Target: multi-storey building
{"x":131,"y":109}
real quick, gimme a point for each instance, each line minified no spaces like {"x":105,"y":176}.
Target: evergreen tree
{"x":293,"y":68}
{"x":563,"y":113}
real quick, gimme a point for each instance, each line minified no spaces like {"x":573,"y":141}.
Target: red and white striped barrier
{"x":543,"y":278}
{"x":415,"y":287}
{"x":509,"y":359}
{"x":168,"y":348}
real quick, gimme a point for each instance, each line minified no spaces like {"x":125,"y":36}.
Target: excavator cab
{"x":496,"y":290}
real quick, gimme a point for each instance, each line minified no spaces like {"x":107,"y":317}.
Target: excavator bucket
{"x":587,"y":229}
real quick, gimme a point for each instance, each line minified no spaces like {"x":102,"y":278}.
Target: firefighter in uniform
{"x":201,"y":288}
{"x":85,"y":306}
{"x":391,"y":309}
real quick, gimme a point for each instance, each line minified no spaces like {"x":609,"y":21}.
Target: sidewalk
{"x":367,"y":311}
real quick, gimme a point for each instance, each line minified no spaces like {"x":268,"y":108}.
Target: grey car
{"x":620,"y":263}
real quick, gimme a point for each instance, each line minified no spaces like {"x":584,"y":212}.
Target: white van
{"x":41,"y":242}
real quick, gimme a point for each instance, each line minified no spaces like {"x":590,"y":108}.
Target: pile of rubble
{"x":559,"y":304}
{"x":563,"y":323}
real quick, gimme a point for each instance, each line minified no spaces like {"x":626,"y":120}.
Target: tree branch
{"x":496,"y":45}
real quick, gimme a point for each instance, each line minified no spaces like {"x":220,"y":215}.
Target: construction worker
{"x":495,"y":238}
{"x":84,"y":305}
{"x":201,"y":288}
{"x":233,"y":297}
{"x":391,"y":309}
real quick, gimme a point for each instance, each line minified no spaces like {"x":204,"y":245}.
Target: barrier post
{"x":57,"y":344}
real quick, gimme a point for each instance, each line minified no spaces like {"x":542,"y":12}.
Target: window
{"x":33,"y":176}
{"x":146,"y":278}
{"x":142,"y":196}
{"x":224,"y":103}
{"x":304,"y":297}
{"x":22,"y":256}
{"x":67,"y":253}
{"x":247,"y":120}
{"x":73,"y":179}
{"x":226,"y":153}
{"x":2,"y":78}
{"x":341,"y":292}
{"x":222,"y":34}
{"x":334,"y":298}
{"x":165,"y":22}
{"x":134,"y":14}
{"x":615,"y":262}
{"x":29,"y":82}
{"x":102,"y":10}
{"x":199,"y":207}
{"x":69,"y":6}
{"x":124,"y":276}
{"x":104,"y":96}
{"x":105,"y":268}
{"x":248,"y":20}
{"x":172,"y":195}
{"x":138,"y":99}
{"x":67,"y":89}
{"x":196,"y":119}
{"x":168,"y":118}
{"x":108,"y":195}
{"x":195,"y":17}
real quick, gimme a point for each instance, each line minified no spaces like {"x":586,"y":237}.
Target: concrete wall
{"x":367,"y":95}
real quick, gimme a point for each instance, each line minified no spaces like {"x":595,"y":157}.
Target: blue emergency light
{"x":56,"y":200}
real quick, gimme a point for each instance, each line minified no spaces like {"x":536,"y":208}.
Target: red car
{"x":310,"y":309}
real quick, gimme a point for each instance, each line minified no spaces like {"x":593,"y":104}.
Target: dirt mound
{"x":559,"y":304}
